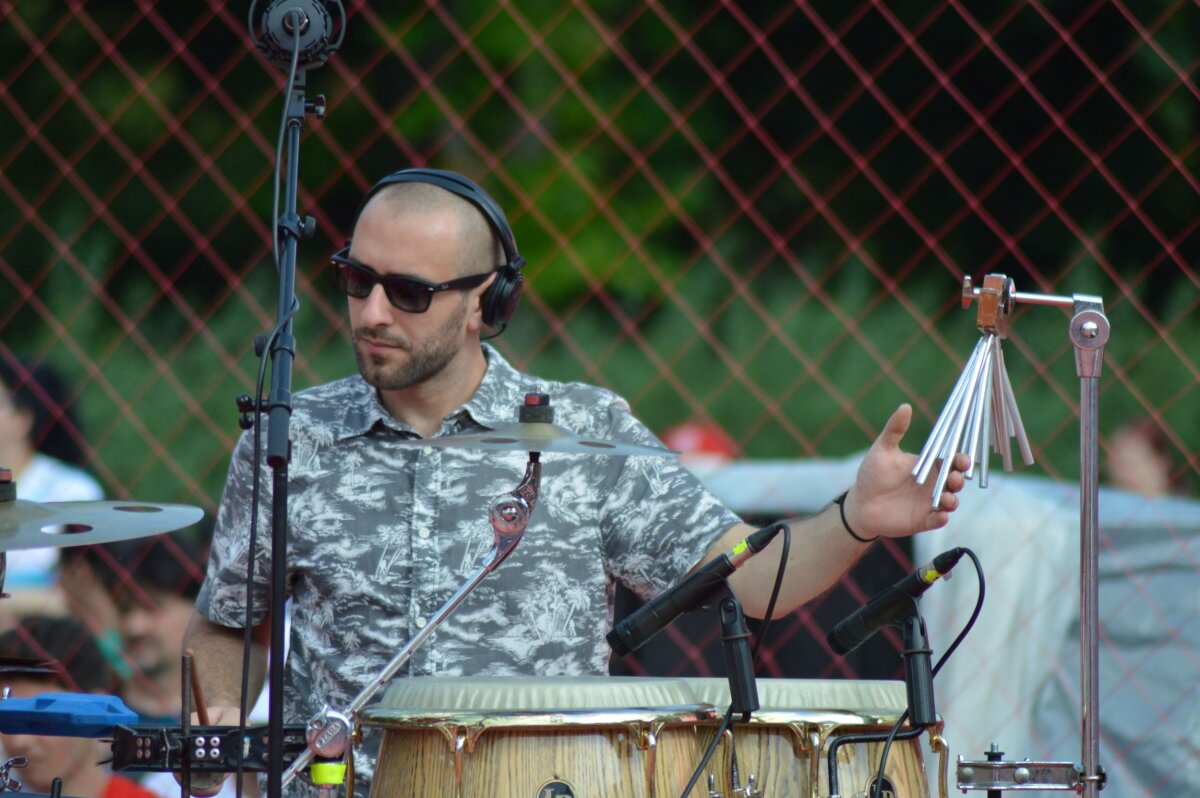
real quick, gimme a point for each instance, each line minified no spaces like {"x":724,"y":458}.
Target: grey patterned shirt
{"x":381,"y":535}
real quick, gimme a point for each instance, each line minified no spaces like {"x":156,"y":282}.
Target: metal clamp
{"x":8,"y":782}
{"x":1024,"y":775}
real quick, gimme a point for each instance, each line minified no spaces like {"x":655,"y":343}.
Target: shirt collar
{"x":501,"y":392}
{"x":493,"y":404}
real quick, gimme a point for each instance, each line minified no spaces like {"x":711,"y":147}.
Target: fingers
{"x":897,"y":425}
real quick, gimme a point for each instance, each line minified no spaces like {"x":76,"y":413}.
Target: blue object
{"x":64,"y":715}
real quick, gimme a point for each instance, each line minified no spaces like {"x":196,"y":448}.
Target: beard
{"x":424,"y":362}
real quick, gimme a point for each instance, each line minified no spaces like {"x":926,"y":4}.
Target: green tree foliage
{"x":759,"y":214}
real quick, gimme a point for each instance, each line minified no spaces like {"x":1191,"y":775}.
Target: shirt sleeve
{"x":657,"y":518}
{"x":222,"y":597}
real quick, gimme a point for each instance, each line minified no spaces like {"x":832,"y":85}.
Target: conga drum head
{"x":536,"y":737}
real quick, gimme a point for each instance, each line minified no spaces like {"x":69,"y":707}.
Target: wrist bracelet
{"x":840,"y":501}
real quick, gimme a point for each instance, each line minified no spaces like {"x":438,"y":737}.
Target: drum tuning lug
{"x":712,"y":787}
{"x":750,"y":790}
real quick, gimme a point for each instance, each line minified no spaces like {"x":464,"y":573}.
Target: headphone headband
{"x":500,"y":299}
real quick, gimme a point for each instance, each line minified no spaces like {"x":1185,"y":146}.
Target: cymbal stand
{"x":509,"y":515}
{"x":982,"y":402}
{"x":8,"y":497}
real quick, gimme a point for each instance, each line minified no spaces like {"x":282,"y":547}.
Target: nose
{"x":19,"y":745}
{"x":376,"y":310}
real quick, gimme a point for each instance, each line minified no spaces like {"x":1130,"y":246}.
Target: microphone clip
{"x":918,"y":672}
{"x":739,"y":658}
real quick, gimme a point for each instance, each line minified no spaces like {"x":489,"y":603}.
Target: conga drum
{"x":787,"y":745}
{"x":537,"y":738}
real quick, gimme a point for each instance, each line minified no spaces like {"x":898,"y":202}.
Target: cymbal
{"x":25,"y":666}
{"x":539,"y":436}
{"x":34,"y":525}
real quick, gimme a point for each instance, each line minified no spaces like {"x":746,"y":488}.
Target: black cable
{"x":758,"y":643}
{"x":887,"y":746}
{"x":287,"y":101}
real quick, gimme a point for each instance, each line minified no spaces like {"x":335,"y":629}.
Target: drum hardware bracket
{"x":750,"y":790}
{"x":836,"y":741}
{"x":1024,"y":775}
{"x":214,"y":749}
{"x":939,"y":746}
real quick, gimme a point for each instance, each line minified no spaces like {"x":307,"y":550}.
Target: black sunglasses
{"x":405,"y":293}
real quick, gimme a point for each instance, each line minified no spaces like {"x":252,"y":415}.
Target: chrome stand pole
{"x":1089,"y":333}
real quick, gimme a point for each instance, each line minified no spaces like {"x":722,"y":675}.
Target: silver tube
{"x":1019,"y":428}
{"x":1043,"y":299}
{"x":987,"y":424}
{"x":1003,"y":422}
{"x":952,"y":445}
{"x":937,"y":434}
{"x":975,"y":423}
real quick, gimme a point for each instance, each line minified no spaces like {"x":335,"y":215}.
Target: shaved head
{"x":478,"y":249}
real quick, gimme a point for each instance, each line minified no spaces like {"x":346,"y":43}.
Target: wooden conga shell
{"x":537,"y":738}
{"x":785,"y":744}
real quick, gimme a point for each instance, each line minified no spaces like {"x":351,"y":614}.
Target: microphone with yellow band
{"x":688,"y":594}
{"x":890,"y":605}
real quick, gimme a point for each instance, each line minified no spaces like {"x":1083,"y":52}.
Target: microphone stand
{"x":279,"y":412}
{"x":294,"y":35}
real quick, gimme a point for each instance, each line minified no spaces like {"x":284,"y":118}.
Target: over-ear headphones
{"x":500,"y":300}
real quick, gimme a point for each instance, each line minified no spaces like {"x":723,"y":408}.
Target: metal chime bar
{"x":982,"y":409}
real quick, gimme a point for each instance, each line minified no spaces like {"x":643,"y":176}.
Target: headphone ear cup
{"x":500,"y":300}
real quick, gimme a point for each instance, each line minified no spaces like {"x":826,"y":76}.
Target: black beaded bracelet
{"x":840,"y":501}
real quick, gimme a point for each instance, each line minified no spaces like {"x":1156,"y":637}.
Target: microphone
{"x":303,"y":23}
{"x":686,"y":595}
{"x":890,"y":604}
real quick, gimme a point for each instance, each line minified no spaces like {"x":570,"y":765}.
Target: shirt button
{"x":421,"y":623}
{"x":423,"y":532}
{"x":427,"y":449}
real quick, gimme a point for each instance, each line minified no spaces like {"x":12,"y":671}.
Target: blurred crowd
{"x":106,"y":618}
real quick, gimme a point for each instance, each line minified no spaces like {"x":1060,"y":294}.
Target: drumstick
{"x":197,"y":693}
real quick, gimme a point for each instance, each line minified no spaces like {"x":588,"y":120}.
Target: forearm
{"x":218,"y":659}
{"x":821,"y":551}
{"x":885,"y":502}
